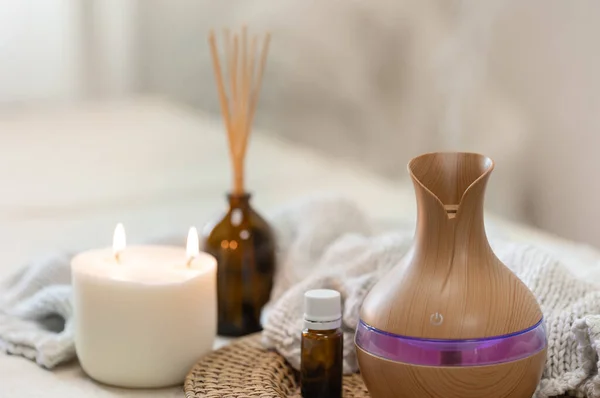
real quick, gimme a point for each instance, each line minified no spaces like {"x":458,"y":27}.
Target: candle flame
{"x":119,"y":240}
{"x":193,"y":245}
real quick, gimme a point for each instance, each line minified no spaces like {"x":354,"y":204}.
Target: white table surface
{"x":69,"y":174}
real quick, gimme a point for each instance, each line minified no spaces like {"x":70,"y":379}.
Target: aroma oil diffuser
{"x":451,"y":320}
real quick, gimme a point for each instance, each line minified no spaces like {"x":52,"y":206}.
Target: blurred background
{"x":371,"y":83}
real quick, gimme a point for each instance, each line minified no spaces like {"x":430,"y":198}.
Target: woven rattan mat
{"x":245,"y":369}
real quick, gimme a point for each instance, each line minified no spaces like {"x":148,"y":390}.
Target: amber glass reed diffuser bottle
{"x":241,"y":241}
{"x":322,"y":345}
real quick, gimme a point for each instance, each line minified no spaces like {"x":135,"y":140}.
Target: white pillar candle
{"x":143,"y":317}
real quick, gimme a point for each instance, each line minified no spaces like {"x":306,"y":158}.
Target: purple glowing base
{"x":429,"y":352}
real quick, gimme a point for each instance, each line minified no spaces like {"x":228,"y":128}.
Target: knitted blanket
{"x":36,"y":314}
{"x":330,"y":244}
{"x":327,"y":243}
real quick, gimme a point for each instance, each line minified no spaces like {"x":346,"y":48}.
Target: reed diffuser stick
{"x":239,"y":107}
{"x":220,"y":86}
{"x":261,"y":72}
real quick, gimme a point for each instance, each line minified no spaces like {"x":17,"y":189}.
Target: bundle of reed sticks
{"x":238,"y":85}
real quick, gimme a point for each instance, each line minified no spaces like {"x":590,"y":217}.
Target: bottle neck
{"x":323,"y":325}
{"x":239,"y":200}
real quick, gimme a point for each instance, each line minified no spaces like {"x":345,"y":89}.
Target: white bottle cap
{"x":322,"y":309}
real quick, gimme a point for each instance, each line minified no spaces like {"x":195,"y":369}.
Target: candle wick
{"x":118,"y":257}
{"x":189,"y":261}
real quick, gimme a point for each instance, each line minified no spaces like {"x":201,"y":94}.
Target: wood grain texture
{"x":451,"y":269}
{"x":387,"y":379}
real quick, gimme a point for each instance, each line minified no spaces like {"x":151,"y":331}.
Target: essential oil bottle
{"x":322,"y":345}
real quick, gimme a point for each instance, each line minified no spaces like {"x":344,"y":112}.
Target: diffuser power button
{"x":436,"y":319}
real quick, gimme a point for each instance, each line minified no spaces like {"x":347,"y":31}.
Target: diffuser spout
{"x":449,"y":178}
{"x":450,"y":190}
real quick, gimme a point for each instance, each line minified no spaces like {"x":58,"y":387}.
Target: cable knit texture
{"x":327,"y":243}
{"x":330,"y":244}
{"x":36,"y":313}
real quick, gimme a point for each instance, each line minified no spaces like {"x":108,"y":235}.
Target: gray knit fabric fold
{"x":327,"y":242}
{"x":36,"y":312}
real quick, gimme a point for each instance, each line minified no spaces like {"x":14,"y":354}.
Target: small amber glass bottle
{"x":322,"y":345}
{"x":244,"y":246}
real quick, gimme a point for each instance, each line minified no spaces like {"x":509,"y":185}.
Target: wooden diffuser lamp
{"x":241,"y":240}
{"x":451,"y":320}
